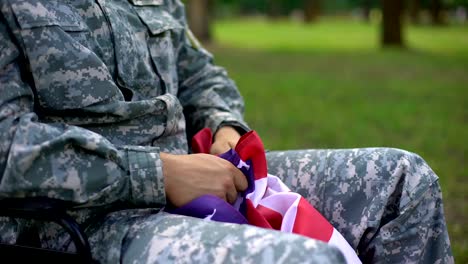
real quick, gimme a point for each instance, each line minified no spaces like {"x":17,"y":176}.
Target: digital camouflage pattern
{"x":91,"y":91}
{"x":387,"y":203}
{"x":146,"y":237}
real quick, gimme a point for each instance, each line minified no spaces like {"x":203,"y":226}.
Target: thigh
{"x":327,"y":176}
{"x":167,"y":238}
{"x":357,"y":190}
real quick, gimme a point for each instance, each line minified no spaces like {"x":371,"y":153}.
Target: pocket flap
{"x":157,"y":19}
{"x":147,"y":2}
{"x":39,"y":13}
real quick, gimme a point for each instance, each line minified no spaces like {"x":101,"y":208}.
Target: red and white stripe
{"x":273,"y":205}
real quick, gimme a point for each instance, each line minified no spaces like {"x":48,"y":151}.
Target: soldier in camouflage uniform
{"x":97,"y":97}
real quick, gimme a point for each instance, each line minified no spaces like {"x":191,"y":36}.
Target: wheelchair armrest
{"x":48,"y":210}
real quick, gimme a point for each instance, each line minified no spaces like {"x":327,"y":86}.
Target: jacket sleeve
{"x":61,"y":161}
{"x":209,"y":97}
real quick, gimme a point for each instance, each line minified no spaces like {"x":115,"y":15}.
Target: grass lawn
{"x":329,"y":85}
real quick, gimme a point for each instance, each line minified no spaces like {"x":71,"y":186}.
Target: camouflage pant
{"x":386,"y":202}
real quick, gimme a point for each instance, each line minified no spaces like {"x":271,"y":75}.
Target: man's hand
{"x":225,"y":139}
{"x":190,"y":176}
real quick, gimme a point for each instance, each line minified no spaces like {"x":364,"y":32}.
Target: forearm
{"x":209,"y":97}
{"x":74,"y":164}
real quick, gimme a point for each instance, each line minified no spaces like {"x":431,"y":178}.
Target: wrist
{"x":227,"y":132}
{"x":167,"y":161}
{"x":169,"y":167}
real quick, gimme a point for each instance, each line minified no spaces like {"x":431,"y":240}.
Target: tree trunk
{"x":436,"y":12}
{"x":311,"y":10}
{"x":274,"y":9}
{"x":413,"y":8}
{"x":199,"y":13}
{"x":366,"y":6}
{"x":391,"y":34}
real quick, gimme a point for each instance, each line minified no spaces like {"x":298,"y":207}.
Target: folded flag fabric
{"x":266,"y":203}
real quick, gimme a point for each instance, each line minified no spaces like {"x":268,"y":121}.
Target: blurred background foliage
{"x":352,"y":73}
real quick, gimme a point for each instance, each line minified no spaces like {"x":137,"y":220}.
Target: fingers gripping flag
{"x":267,"y":202}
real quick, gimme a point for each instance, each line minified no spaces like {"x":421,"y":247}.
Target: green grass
{"x":330,"y":85}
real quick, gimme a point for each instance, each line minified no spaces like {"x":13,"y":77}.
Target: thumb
{"x":219,"y":147}
{"x":240,"y":181}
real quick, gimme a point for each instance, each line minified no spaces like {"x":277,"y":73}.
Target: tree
{"x":391,"y":33}
{"x":366,"y":8}
{"x":274,"y":9}
{"x":311,"y":10}
{"x":413,"y":8}
{"x":199,"y":13}
{"x":436,"y":12}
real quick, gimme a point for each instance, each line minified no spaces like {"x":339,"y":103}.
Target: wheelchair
{"x":27,"y":247}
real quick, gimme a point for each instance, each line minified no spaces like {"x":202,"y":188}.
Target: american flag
{"x":267,"y":202}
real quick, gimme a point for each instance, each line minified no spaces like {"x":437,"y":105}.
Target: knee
{"x":294,"y":248}
{"x":410,"y":172}
{"x":409,"y":163}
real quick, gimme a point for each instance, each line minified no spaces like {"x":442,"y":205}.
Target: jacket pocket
{"x":33,"y":14}
{"x":164,"y":31}
{"x":67,"y":75}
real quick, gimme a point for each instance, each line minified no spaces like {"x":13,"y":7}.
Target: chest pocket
{"x":67,"y":75}
{"x":163,"y":31}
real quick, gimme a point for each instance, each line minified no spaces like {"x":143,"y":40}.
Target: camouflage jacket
{"x":91,"y":91}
